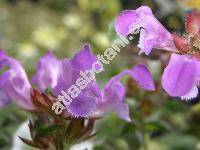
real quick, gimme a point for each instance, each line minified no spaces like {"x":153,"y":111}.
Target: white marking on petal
{"x":192,"y":94}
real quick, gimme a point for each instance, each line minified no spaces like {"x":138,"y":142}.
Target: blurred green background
{"x":31,"y":28}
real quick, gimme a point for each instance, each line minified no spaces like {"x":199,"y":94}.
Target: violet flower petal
{"x":143,"y":77}
{"x":123,"y":112}
{"x":83,"y":105}
{"x":48,"y":72}
{"x":141,"y":74}
{"x":180,"y":75}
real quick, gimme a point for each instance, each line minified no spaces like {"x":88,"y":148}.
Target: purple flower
{"x":76,"y":76}
{"x":152,"y":35}
{"x":91,"y":101}
{"x":113,"y":94}
{"x":85,"y":103}
{"x":182,"y":76}
{"x":48,"y":72}
{"x":14,"y":84}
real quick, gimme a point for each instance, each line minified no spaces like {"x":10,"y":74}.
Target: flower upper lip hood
{"x":182,"y":75}
{"x":152,"y":35}
{"x":14,"y":83}
{"x":48,"y":72}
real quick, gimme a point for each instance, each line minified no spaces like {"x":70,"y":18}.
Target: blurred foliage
{"x":30,"y":28}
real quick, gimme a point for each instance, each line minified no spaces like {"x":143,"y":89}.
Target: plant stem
{"x":145,"y":136}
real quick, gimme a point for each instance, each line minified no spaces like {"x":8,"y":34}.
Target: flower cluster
{"x":59,"y":75}
{"x":182,"y":75}
{"x":76,"y":76}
